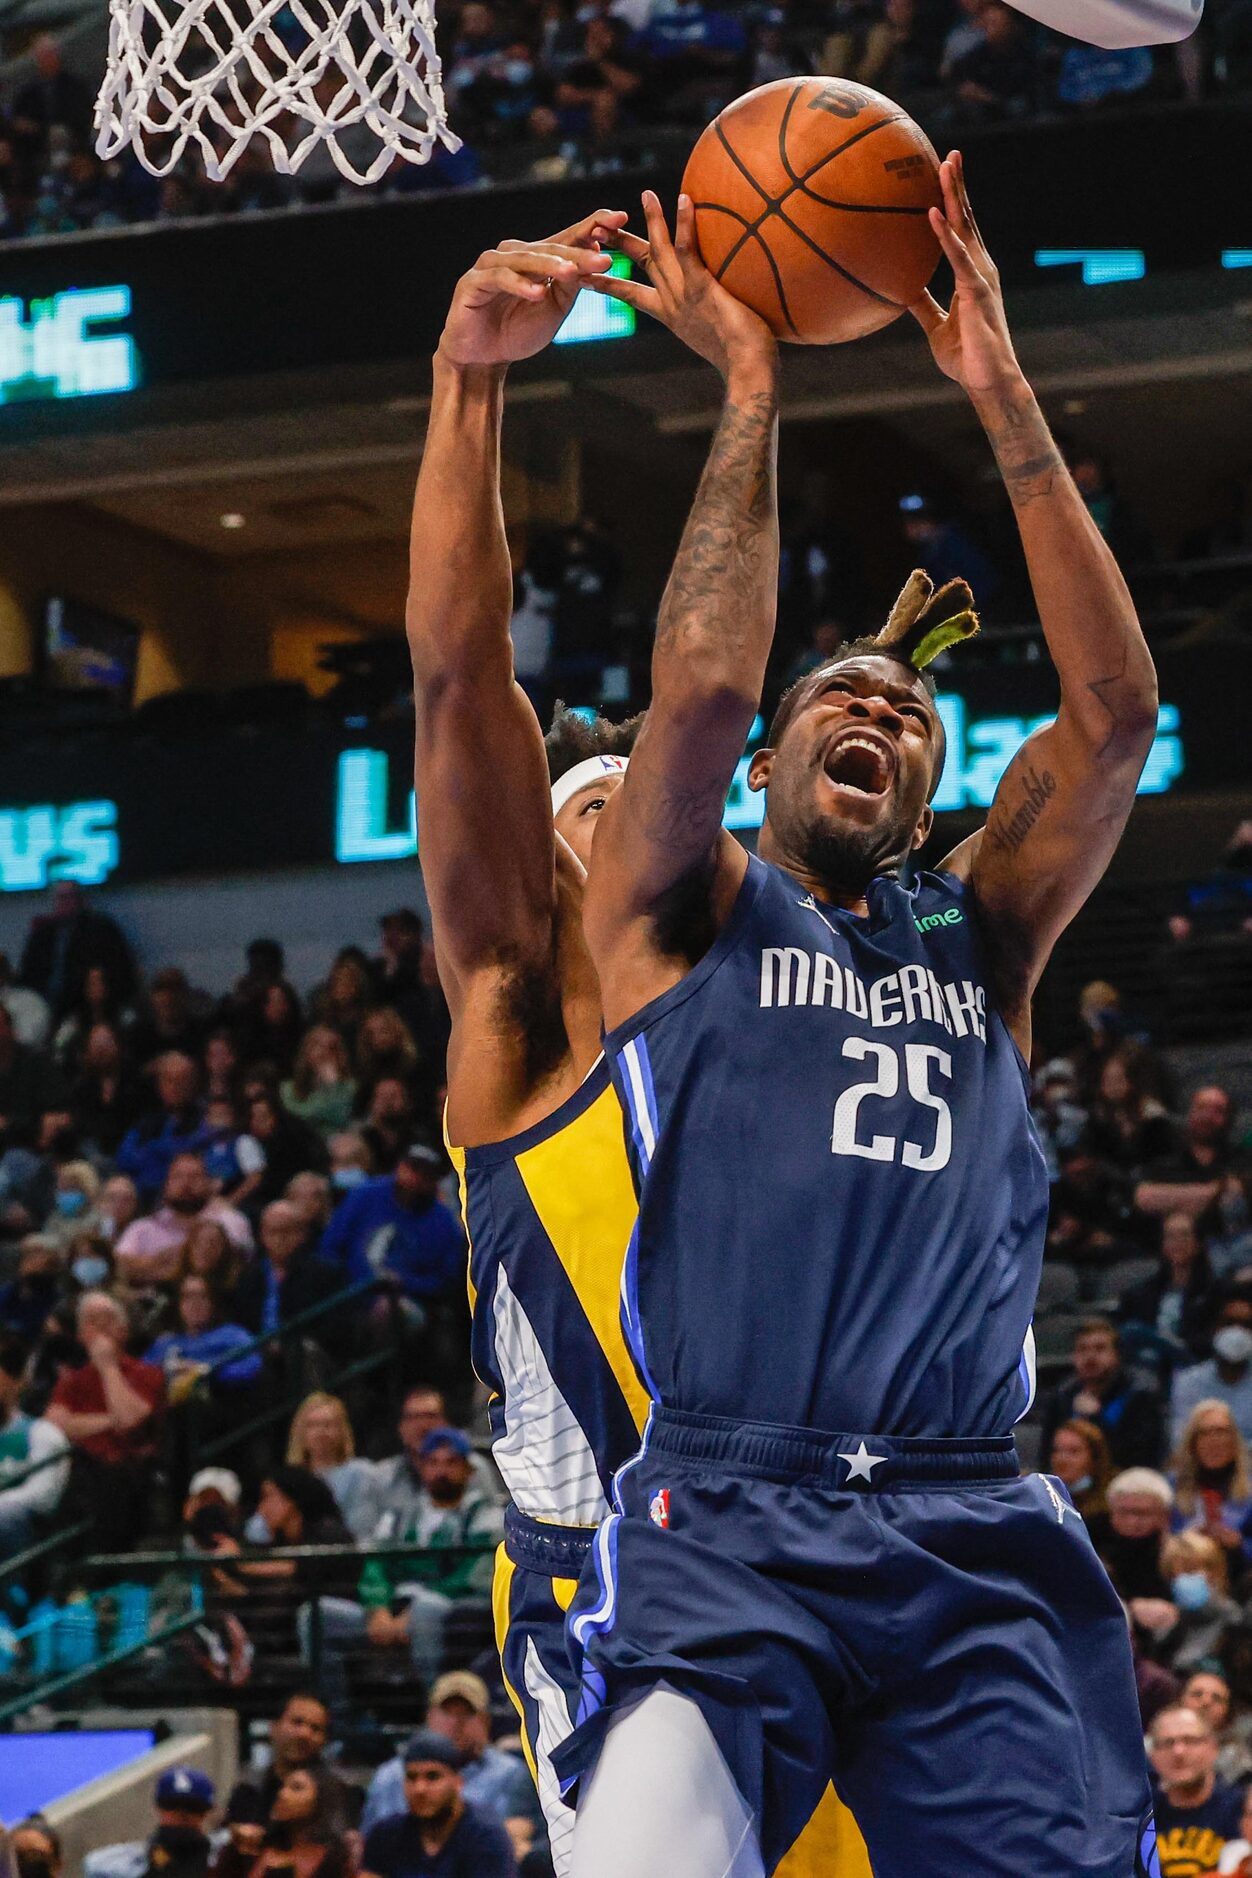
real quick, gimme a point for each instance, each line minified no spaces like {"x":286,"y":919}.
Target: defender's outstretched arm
{"x":716,"y":620}
{"x":484,"y":809}
{"x":1063,"y":801}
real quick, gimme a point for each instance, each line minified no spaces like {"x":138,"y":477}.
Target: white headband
{"x":590,"y":770}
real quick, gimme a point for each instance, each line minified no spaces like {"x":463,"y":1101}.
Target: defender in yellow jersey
{"x":532,"y":1124}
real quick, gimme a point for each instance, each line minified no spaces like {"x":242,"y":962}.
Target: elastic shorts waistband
{"x":859,"y":1461}
{"x":558,"y":1551}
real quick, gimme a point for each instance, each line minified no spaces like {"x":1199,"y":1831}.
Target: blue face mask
{"x":344,"y":1179}
{"x":1191,"y":1591}
{"x":71,"y":1204}
{"x":90,"y":1271}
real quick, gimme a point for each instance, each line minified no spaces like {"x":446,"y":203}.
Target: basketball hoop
{"x":298,"y":73}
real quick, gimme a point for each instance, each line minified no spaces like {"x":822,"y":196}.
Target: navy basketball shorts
{"x":537,"y":1572}
{"x":912,"y":1619}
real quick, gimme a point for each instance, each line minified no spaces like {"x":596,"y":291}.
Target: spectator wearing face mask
{"x":179,"y":1846}
{"x":1225,"y":1377}
{"x":1188,"y":1627}
{"x":74,"y":1205}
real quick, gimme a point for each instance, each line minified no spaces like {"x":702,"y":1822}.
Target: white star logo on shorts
{"x":861,"y":1465}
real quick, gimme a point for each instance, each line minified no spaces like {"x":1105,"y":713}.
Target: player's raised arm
{"x":484,"y":808}
{"x":663,"y":829}
{"x":1064,"y":799}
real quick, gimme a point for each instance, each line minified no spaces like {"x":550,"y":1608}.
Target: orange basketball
{"x":810,"y":199}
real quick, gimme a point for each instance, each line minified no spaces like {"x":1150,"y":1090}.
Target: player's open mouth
{"x":863,"y":765}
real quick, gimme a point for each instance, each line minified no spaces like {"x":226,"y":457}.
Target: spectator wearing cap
{"x":446,"y":1511}
{"x":110,"y":1412}
{"x":440,"y":1834}
{"x":497,"y":1784}
{"x":150,"y":1251}
{"x":34,"y":1457}
{"x":175,"y":1126}
{"x":1099,"y":1390}
{"x":398,"y":1225}
{"x":428,"y":1495}
{"x":180,"y":1847}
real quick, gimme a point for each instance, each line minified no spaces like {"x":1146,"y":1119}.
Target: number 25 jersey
{"x":843,"y":1199}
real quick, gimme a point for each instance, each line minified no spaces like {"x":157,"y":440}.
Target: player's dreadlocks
{"x":573,"y":738}
{"x":920,"y":626}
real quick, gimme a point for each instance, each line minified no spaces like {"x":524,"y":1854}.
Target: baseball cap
{"x":186,"y":1789}
{"x":217,"y":1480}
{"x":427,"y":1745}
{"x":446,"y":1438}
{"x":421,"y":1154}
{"x":461,"y":1685}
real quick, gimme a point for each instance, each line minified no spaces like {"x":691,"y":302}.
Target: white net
{"x":362,"y":78}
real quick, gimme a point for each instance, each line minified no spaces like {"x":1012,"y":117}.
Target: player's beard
{"x":845,"y":856}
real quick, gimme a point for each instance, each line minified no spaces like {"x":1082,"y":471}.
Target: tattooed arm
{"x":663,"y":872}
{"x":1064,"y":799}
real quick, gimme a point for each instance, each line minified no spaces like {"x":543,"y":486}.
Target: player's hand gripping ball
{"x":812,"y":198}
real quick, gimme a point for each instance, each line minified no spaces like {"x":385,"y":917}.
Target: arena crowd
{"x":183,"y":1177}
{"x":550,"y":88}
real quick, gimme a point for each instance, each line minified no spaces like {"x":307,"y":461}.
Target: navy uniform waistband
{"x":857,"y":1461}
{"x":558,"y":1551}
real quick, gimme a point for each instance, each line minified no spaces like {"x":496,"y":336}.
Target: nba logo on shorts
{"x":658,"y":1507}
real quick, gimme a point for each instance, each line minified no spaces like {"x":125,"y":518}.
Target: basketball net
{"x":213,"y":74}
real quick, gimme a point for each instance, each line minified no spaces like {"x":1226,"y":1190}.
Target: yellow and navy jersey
{"x":549,"y":1214}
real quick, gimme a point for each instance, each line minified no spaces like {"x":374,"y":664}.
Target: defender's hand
{"x":971,"y":341}
{"x":514,"y":298}
{"x":684,"y":295}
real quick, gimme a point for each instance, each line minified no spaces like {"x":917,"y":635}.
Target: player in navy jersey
{"x":533,"y":1124}
{"x":824,"y":1561}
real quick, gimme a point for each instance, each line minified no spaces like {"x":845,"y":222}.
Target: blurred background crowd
{"x":550,"y":88}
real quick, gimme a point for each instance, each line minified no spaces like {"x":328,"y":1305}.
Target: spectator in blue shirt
{"x":398,"y":1225}
{"x":203,"y":1340}
{"x":441,"y":1835}
{"x":176,"y":1126}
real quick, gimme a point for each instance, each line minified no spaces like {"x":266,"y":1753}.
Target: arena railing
{"x":102,"y":1629}
{"x":51,"y":1546}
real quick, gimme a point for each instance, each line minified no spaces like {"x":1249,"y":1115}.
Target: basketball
{"x":811,"y":199}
